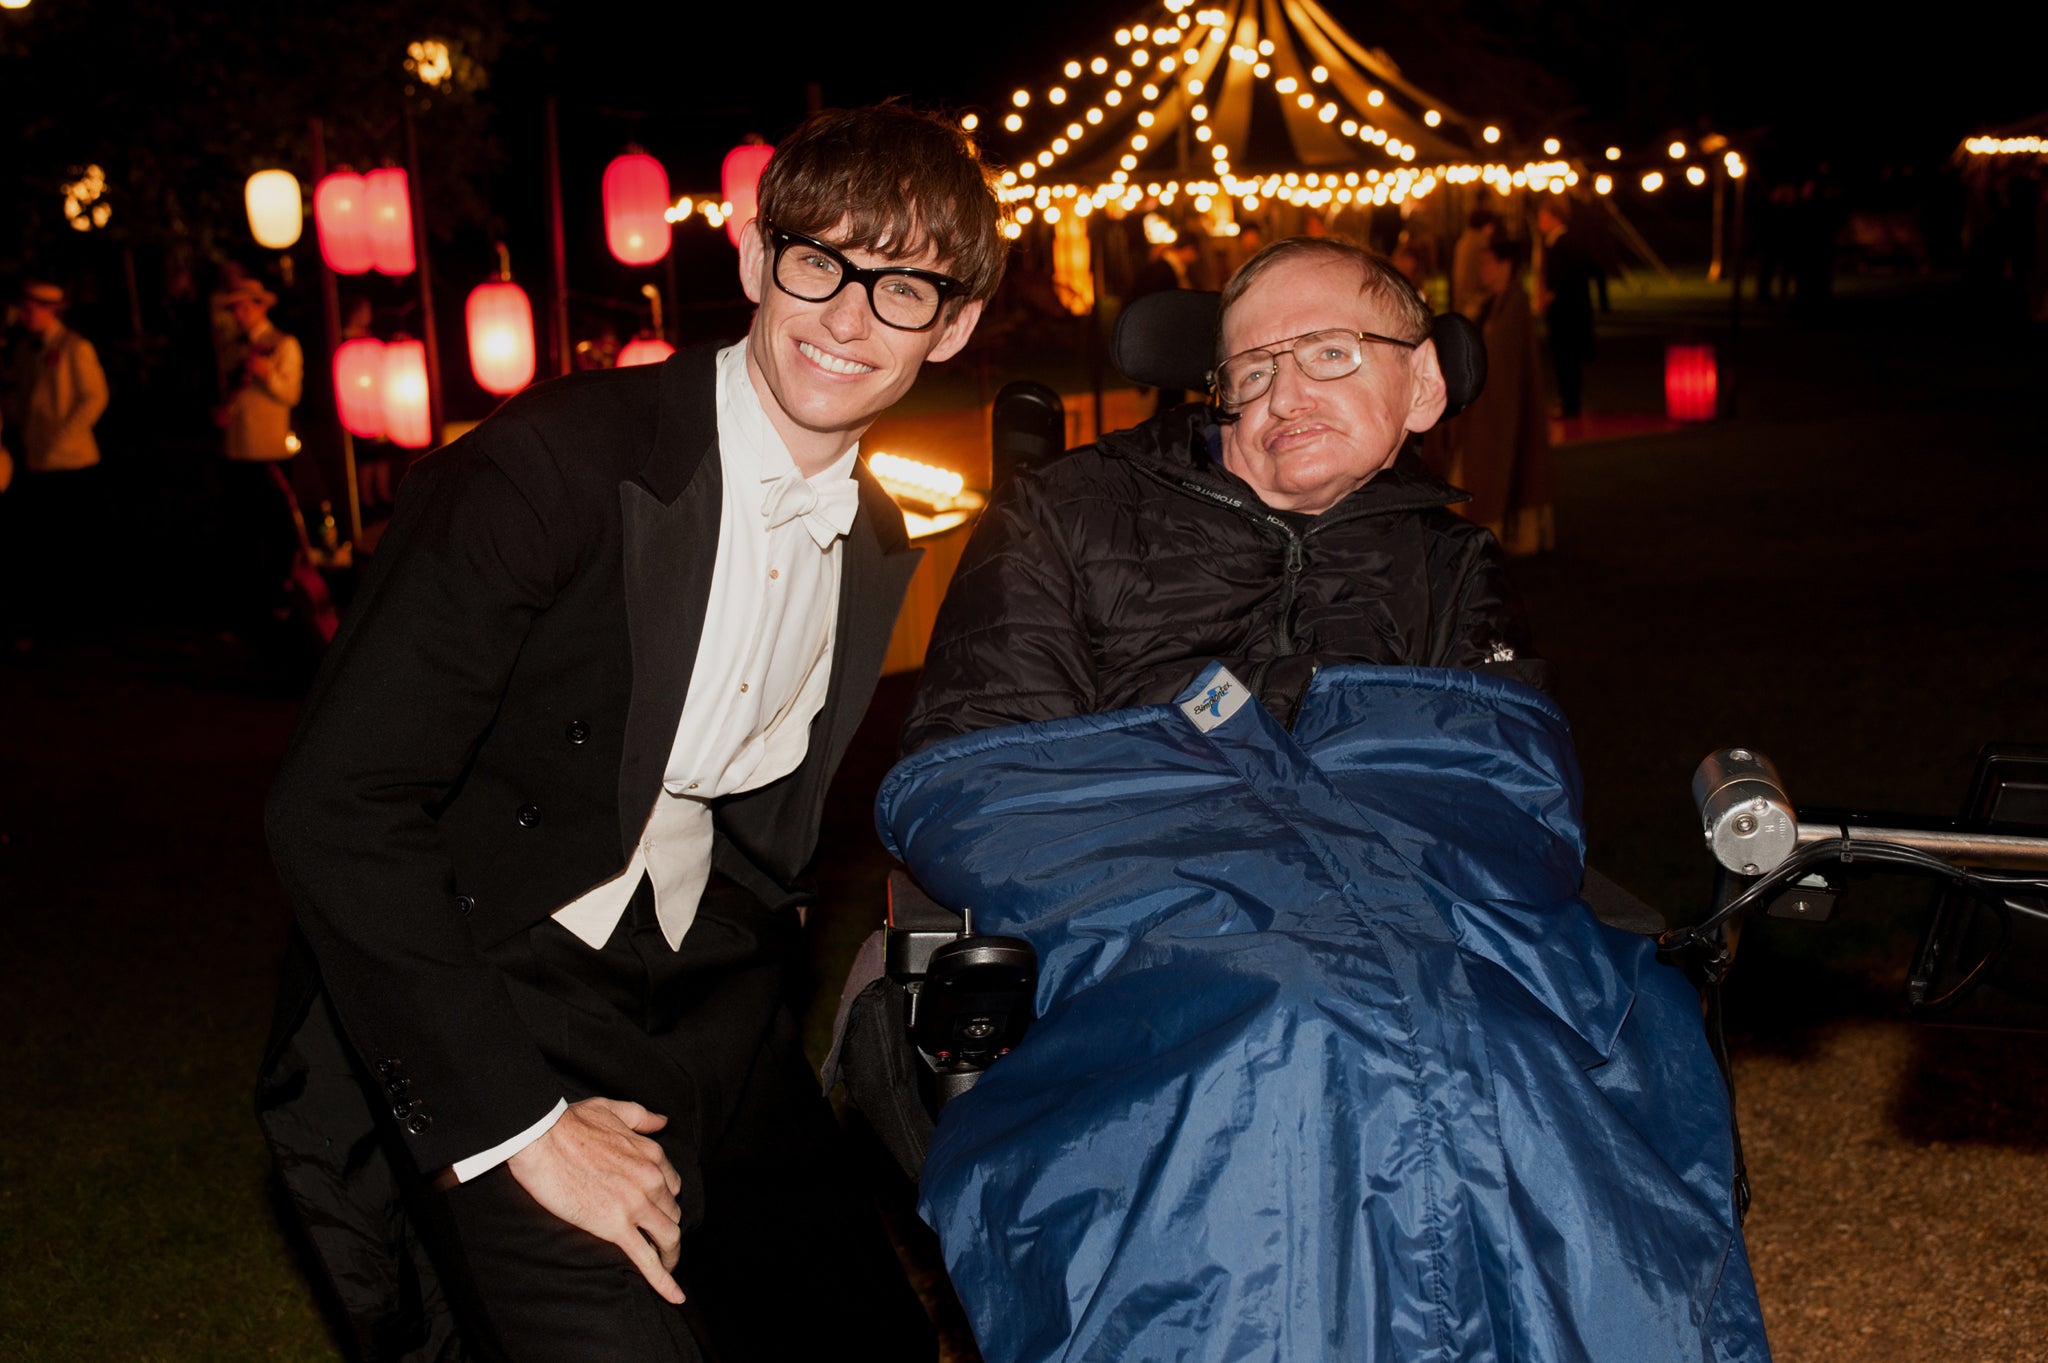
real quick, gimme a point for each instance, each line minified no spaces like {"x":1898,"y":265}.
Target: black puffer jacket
{"x":1109,"y":577}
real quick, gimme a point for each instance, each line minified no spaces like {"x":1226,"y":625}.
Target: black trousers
{"x":789,"y":1260}
{"x":258,"y":539}
{"x":56,"y":551}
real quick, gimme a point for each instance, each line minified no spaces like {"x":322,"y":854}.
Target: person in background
{"x":1167,"y":267}
{"x":1567,"y":303}
{"x":1502,"y":441}
{"x":265,"y":374}
{"x":1468,"y":290}
{"x":58,"y":391}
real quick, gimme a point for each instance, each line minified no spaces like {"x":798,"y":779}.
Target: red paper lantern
{"x":391,"y":247}
{"x":500,"y":336}
{"x":1690,"y":387}
{"x":636,"y":207}
{"x":408,"y":418}
{"x":341,"y":216}
{"x":740,"y":182}
{"x":358,"y":371}
{"x":646,"y":350}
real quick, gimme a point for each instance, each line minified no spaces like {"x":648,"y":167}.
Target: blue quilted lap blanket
{"x":1331,"y":1061}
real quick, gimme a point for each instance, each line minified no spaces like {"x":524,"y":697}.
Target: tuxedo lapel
{"x":878,"y":564}
{"x":669,"y":520}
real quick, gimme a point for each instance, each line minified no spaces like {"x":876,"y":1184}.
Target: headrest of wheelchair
{"x":1168,"y":340}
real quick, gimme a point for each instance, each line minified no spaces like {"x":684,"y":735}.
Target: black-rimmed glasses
{"x":905,"y":298}
{"x":1320,"y":355}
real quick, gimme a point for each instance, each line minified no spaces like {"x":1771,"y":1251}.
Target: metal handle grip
{"x":1746,"y":817}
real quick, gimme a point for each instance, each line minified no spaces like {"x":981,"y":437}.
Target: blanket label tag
{"x":1221,"y":697}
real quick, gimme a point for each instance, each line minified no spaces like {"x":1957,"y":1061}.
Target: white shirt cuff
{"x":485,"y":1161}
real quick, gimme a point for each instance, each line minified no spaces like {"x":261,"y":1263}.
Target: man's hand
{"x":597,"y":1170}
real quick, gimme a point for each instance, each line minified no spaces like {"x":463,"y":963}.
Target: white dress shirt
{"x":763,"y":665}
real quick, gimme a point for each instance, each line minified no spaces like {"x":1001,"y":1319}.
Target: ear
{"x":1426,"y":394}
{"x":954,"y":331}
{"x":753,"y":252}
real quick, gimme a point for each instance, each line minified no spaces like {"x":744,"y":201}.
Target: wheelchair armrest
{"x":916,"y":926}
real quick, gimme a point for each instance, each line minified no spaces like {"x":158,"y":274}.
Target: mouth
{"x":1294,"y":434}
{"x":830,"y":363}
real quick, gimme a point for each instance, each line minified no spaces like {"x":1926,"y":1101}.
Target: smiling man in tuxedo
{"x":546,"y":819}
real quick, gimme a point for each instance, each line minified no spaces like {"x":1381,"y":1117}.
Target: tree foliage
{"x":181,"y":103}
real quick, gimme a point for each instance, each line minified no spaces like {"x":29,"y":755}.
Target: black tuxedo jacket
{"x":490,"y":727}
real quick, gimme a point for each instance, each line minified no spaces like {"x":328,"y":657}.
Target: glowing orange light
{"x":1690,"y":382}
{"x":277,"y":213}
{"x":739,"y":180}
{"x":636,"y":204}
{"x":341,"y":219}
{"x":500,"y":319}
{"x":402,"y":386}
{"x":646,"y":350}
{"x":358,"y":369}
{"x":390,"y":221}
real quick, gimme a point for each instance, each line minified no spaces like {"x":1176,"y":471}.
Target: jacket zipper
{"x":1283,"y":632}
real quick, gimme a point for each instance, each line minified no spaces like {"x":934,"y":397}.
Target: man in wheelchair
{"x":1332,"y":1060}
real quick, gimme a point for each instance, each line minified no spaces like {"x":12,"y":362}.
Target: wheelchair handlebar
{"x":1752,"y":828}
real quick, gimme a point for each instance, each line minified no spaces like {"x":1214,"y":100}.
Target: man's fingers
{"x":660,"y":1227}
{"x":639,"y":1118}
{"x":651,"y":1265}
{"x":670,"y":1179}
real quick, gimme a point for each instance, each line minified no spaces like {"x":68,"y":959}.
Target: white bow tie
{"x":827,"y":514}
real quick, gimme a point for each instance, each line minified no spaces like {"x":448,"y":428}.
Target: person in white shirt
{"x":53,"y":537}
{"x":265,"y":377}
{"x":546,"y":820}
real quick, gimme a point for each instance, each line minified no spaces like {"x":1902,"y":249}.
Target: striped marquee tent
{"x":1246,"y":101}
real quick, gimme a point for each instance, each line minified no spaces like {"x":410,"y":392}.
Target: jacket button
{"x":419,"y":1124}
{"x":529,"y":815}
{"x":577,"y":732}
{"x":401,"y":1110}
{"x":398,"y":1087}
{"x":464,"y":903}
{"x":386,"y":1066}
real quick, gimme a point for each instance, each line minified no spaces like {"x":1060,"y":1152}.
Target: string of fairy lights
{"x":1164,"y":71}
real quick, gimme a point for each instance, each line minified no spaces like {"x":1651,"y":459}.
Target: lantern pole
{"x":668,"y":265}
{"x":419,"y":240}
{"x":330,"y":307}
{"x":1714,"y":265}
{"x":558,"y":270}
{"x":1727,"y":388}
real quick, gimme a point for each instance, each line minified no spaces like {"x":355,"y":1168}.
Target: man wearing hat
{"x":265,"y":373}
{"x":266,"y":370}
{"x":58,"y":392}
{"x":63,"y":388}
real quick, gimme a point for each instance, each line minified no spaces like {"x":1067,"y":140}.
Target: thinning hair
{"x":892,"y":180}
{"x":1377,"y":279}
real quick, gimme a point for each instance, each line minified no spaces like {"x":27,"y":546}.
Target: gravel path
{"x":1901,"y":1206}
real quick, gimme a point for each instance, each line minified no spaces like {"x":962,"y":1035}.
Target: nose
{"x":1291,"y":392}
{"x":847,"y":313}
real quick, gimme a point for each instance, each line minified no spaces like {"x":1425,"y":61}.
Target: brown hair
{"x":1378,"y":279}
{"x":892,"y":180}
